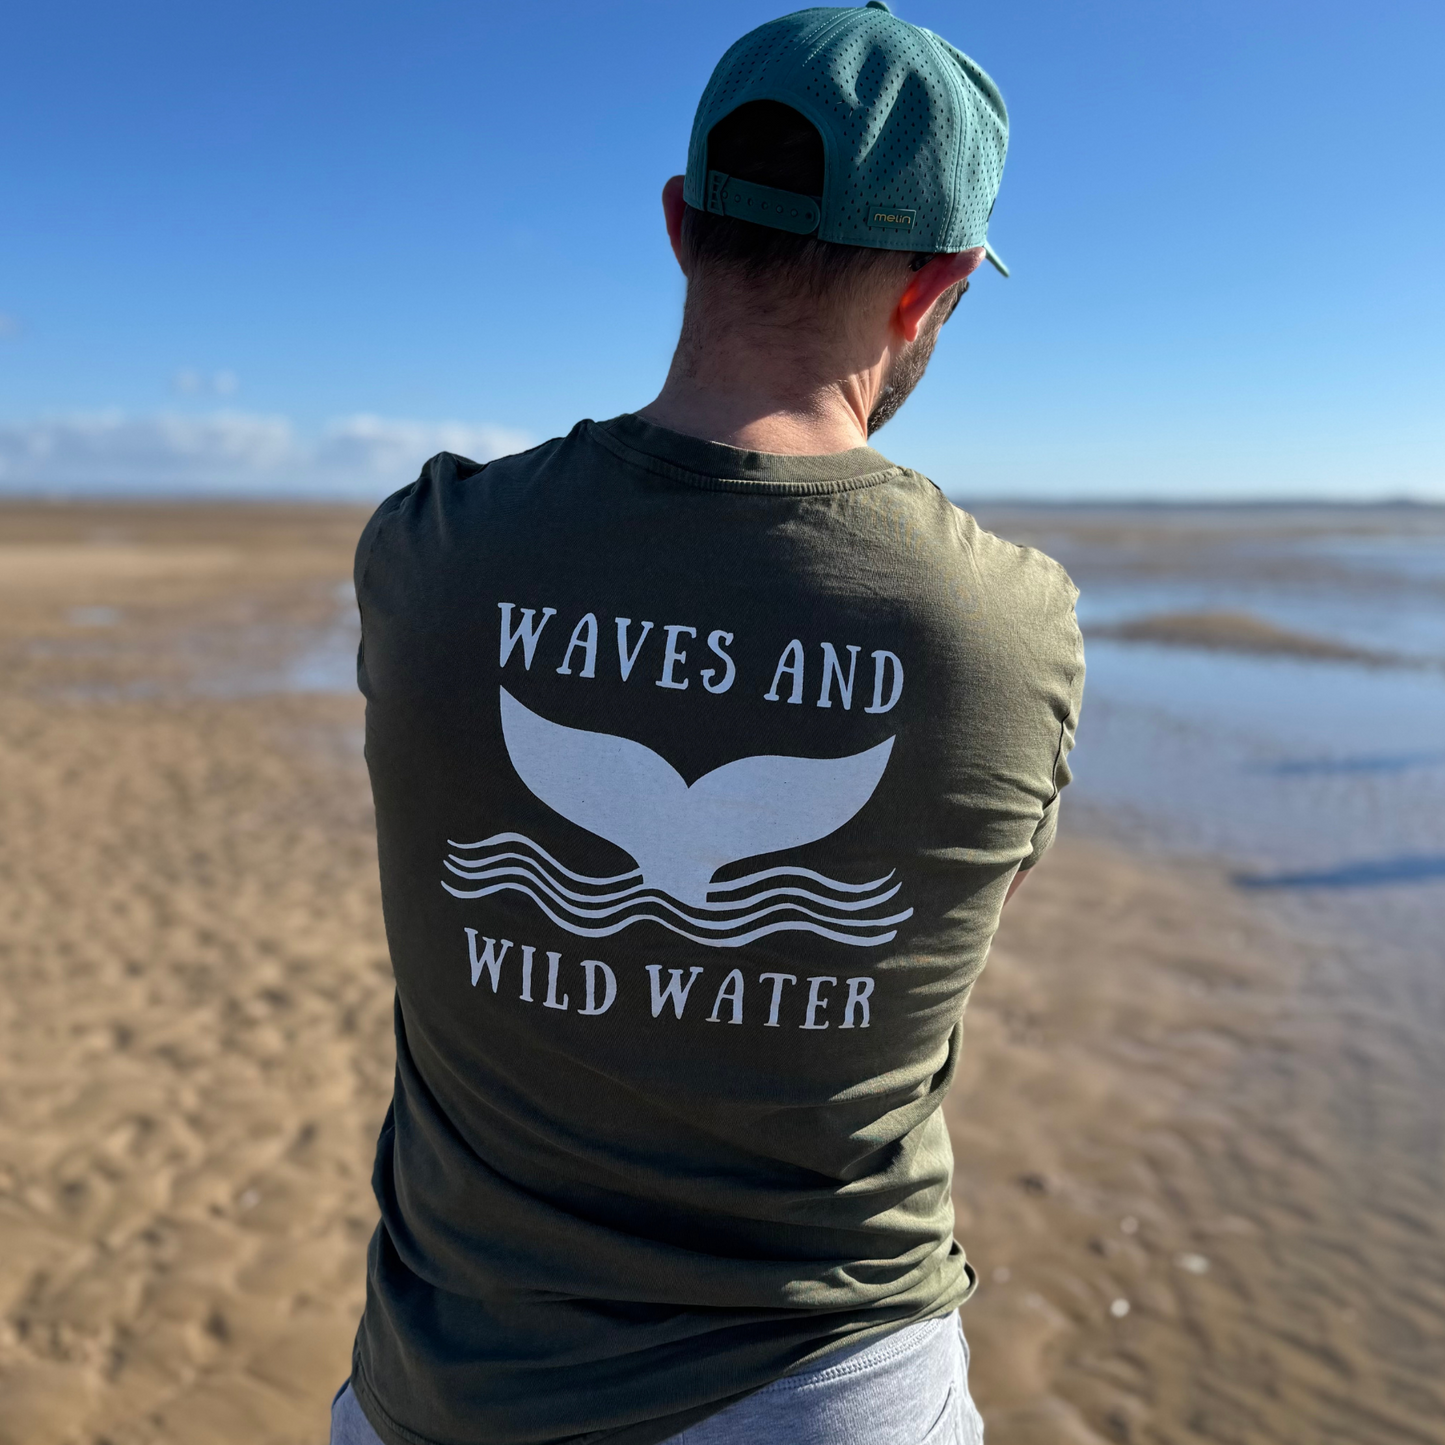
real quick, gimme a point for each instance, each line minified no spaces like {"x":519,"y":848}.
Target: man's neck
{"x":765,"y":386}
{"x":755,"y":421}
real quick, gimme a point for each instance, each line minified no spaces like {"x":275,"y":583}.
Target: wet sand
{"x":1236,"y":632}
{"x":1171,"y":1101}
{"x":1168,"y":1099}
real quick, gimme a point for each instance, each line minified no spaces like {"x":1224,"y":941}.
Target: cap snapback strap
{"x":764,"y":205}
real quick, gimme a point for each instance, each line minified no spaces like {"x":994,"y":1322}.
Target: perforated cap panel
{"x":914,"y":133}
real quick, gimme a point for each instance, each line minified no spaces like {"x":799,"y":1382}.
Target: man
{"x":706,"y":744}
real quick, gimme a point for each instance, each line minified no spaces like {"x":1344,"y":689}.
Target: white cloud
{"x":232,"y":453}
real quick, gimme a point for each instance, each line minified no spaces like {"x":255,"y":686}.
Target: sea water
{"x":1319,"y":782}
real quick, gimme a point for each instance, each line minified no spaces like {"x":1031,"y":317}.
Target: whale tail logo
{"x":681,"y":836}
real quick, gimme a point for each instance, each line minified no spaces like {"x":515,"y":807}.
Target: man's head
{"x":841,"y":173}
{"x":799,"y":280}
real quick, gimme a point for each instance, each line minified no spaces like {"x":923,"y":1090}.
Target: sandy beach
{"x":1198,"y":1167}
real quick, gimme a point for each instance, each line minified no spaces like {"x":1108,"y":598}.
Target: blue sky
{"x":302,"y":245}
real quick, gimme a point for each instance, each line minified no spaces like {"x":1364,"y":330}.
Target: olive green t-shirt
{"x":700,"y":775}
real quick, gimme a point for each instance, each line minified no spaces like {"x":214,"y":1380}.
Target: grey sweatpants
{"x":909,"y":1388}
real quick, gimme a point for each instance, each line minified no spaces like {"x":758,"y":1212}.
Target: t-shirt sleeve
{"x":1043,"y":836}
{"x":1048,"y":825}
{"x":359,"y":567}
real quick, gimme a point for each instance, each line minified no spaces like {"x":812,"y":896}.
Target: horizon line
{"x":61,"y":496}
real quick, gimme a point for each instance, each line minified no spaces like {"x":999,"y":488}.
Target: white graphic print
{"x":680,"y":836}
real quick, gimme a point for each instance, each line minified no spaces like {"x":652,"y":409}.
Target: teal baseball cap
{"x":914,"y":132}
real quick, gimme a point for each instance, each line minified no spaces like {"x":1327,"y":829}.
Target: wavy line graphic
{"x":799,"y":900}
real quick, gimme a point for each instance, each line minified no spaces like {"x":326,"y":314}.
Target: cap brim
{"x":993,"y":258}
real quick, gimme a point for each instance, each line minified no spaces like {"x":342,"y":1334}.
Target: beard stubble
{"x":906,"y":369}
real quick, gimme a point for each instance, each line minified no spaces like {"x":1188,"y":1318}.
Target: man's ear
{"x":927,"y":285}
{"x":673,"y":206}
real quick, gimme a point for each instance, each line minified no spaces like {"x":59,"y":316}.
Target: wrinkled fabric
{"x":909,"y":1388}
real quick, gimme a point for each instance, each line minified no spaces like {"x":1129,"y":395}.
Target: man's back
{"x":700,"y":778}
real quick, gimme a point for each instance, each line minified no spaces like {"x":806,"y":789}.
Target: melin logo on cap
{"x":890,"y":218}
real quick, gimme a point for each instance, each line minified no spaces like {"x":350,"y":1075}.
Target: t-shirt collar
{"x":716,"y":467}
